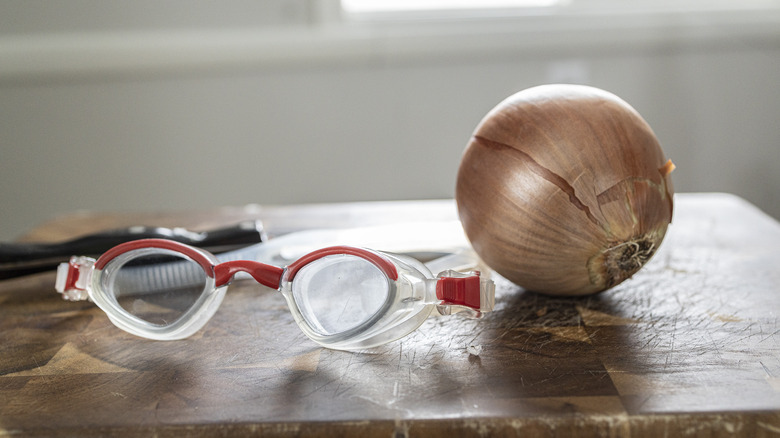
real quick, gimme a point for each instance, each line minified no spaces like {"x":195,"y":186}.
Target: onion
{"x":564,"y":190}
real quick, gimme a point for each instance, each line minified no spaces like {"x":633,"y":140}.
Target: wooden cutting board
{"x":688,"y":347}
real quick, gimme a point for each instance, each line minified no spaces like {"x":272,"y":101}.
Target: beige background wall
{"x":118,"y":109}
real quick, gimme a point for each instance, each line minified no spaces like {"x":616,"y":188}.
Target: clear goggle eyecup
{"x":341,"y":297}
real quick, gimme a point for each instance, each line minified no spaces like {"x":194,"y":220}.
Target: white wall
{"x":139,"y":117}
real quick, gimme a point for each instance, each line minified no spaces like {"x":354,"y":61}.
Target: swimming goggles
{"x":342,"y":297}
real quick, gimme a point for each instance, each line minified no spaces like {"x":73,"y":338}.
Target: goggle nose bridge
{"x":266,"y":275}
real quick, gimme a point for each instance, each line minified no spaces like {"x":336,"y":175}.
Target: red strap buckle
{"x":459,"y":291}
{"x":72,"y":278}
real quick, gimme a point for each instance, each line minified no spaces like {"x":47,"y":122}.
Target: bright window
{"x":372,"y":6}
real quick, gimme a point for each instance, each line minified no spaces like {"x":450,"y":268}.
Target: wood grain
{"x":688,"y":347}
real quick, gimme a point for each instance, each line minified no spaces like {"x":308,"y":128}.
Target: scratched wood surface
{"x":689,"y":347}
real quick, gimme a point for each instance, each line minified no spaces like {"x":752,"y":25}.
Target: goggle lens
{"x":339,"y":293}
{"x":162,"y":295}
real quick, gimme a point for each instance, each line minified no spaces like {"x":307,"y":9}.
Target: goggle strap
{"x":139,"y":279}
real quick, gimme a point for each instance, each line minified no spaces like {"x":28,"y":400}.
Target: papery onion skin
{"x":564,"y":190}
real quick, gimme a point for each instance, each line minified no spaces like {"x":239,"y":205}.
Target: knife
{"x":19,"y":259}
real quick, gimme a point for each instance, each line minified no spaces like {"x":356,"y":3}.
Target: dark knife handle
{"x":18,"y":259}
